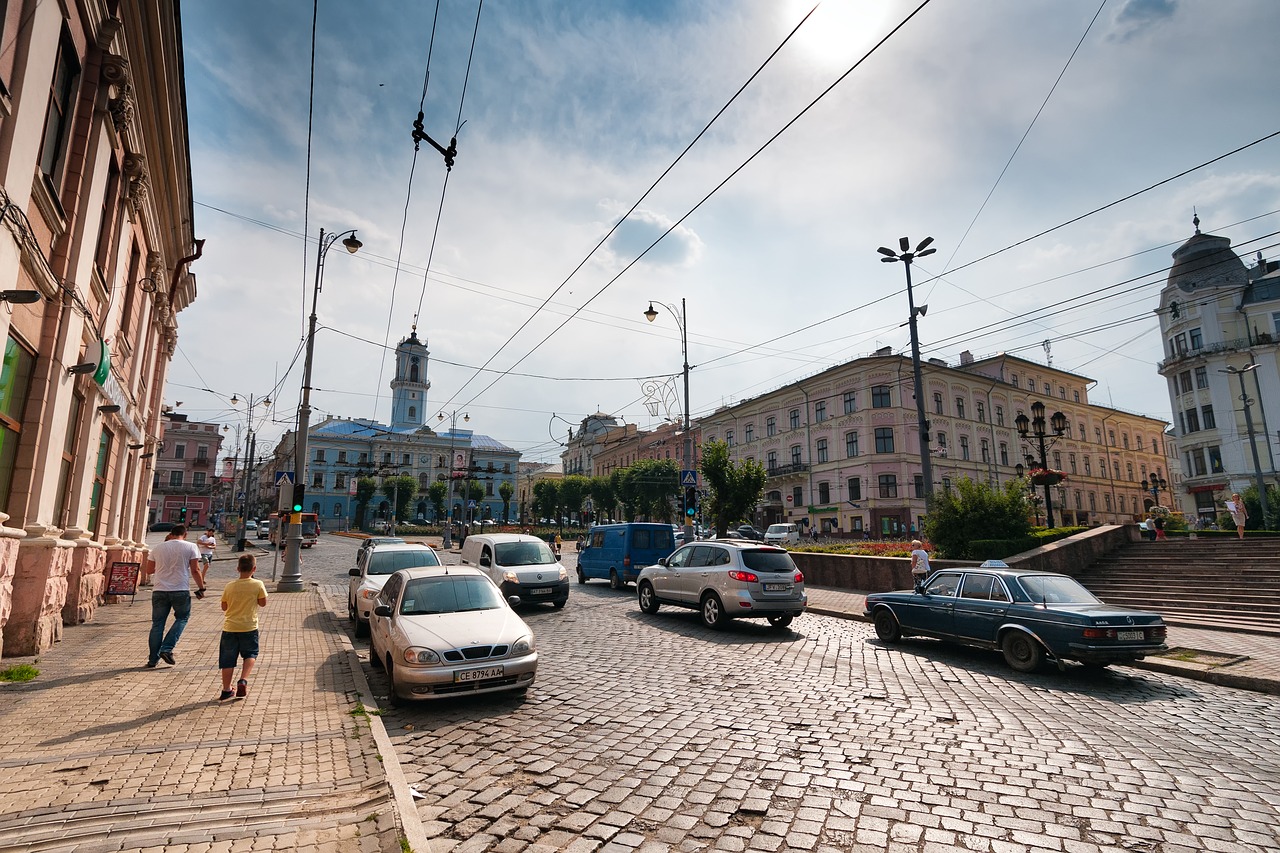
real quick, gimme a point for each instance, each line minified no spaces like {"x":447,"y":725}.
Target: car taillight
{"x":626,"y":561}
{"x":799,"y":578}
{"x":1099,"y":633}
{"x":1157,"y":632}
{"x":745,"y":577}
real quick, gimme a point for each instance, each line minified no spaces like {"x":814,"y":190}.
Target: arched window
{"x":413,"y":412}
{"x":413,"y":371}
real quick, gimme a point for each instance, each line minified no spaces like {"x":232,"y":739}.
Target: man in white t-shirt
{"x":207,"y":543}
{"x":171,"y":565}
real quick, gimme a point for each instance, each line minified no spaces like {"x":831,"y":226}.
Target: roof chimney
{"x":966,"y":357}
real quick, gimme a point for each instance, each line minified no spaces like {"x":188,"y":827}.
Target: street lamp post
{"x":1239,"y":373}
{"x":250,"y":449}
{"x":682,"y":320}
{"x":1035,"y":428}
{"x":1155,"y":485}
{"x":890,"y":256}
{"x":453,"y":425}
{"x":291,"y":580}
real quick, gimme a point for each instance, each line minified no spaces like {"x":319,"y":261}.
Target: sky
{"x":730,"y":156}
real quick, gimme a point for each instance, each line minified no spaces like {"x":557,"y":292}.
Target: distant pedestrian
{"x":919,"y":562}
{"x":174,"y":562}
{"x":207,"y":543}
{"x":1235,"y":506}
{"x":240,"y":602}
{"x":1158,"y":521}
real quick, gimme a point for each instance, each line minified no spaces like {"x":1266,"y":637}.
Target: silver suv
{"x":726,"y":579}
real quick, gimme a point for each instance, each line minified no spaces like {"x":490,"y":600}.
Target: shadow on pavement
{"x":131,"y":724}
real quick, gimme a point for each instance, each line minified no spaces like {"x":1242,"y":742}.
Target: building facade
{"x":1220,"y":322}
{"x":185,"y":484}
{"x":842,"y":452}
{"x":95,"y":246}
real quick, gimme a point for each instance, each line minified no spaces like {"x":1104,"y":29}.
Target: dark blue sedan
{"x":1030,"y":616}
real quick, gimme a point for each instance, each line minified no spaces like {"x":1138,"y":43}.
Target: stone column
{"x":39,"y":590}
{"x":9,"y":538}
{"x":85,"y":578}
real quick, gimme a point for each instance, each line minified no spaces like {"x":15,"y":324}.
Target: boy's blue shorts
{"x":236,"y":644}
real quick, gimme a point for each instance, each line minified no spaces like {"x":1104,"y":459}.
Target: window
{"x":102,"y":259}
{"x":364,"y":459}
{"x":1202,"y":377}
{"x":824,"y":493}
{"x":917,"y":484}
{"x":1196,"y":462}
{"x":1120,"y":500}
{"x":793,"y":419}
{"x":850,"y":444}
{"x":337,"y":510}
{"x":175,"y":478}
{"x":748,"y":433}
{"x":1180,"y":344}
{"x":1116,"y":467}
{"x":1184,"y":382}
{"x":1071,"y":461}
{"x":959,"y":407}
{"x":1093,"y":502}
{"x":317,"y":480}
{"x":1124,"y":440}
{"x":319,"y":454}
{"x":1079,"y":497}
{"x":999,"y":415}
{"x":795,"y":454}
{"x":68,"y":459}
{"x":1129,"y":470}
{"x":1192,"y":420}
{"x":771,"y":426}
{"x":937,"y":402}
{"x":386,"y":458}
{"x":1111,"y":437}
{"x":797,"y":496}
{"x":97,"y":496}
{"x":1106,"y":500}
{"x":888,"y":485}
{"x":1139,"y":442}
{"x":884,"y":439}
{"x":728,"y":437}
{"x":855,"y":488}
{"x":1081,"y":425}
{"x":197,"y":479}
{"x":413,"y":412}
{"x":57,"y":121}
{"x":180,"y":451}
{"x":1057,"y":460}
{"x":1062,"y":392}
{"x":1207,"y":418}
{"x":1004,"y":453}
{"x":822,"y":453}
{"x":1048,"y":389}
{"x":986,"y":450}
{"x":880,"y":397}
{"x":1215,"y":459}
{"x":1013,"y":380}
{"x":982,"y":412}
{"x":1088,"y":467}
{"x":820,"y":411}
{"x":407,"y":459}
{"x":771,"y":460}
{"x":1097,"y":434}
{"x":964,"y":447}
{"x":1197,"y":340}
{"x":850,"y":405}
{"x":1077,"y":394}
{"x":942,"y":441}
{"x":202,"y":453}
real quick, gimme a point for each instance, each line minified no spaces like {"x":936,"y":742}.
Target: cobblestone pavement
{"x":654,"y":733}
{"x":101,"y":754}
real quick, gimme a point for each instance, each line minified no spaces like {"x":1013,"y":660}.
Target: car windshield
{"x":524,"y":554}
{"x":387,"y":562}
{"x":449,"y":594}
{"x":1053,"y":589}
{"x":777,"y":528}
{"x":768,"y":561}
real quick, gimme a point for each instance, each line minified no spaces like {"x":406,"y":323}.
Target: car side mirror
{"x":485,"y":562}
{"x":355,"y":573}
{"x":513,"y":600}
{"x":662,"y":561}
{"x":382,"y":610}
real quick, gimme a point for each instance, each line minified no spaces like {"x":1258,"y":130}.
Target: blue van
{"x":619,"y":551}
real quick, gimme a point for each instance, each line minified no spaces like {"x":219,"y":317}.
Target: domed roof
{"x":1206,"y":261}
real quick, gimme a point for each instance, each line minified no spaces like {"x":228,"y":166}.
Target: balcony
{"x":1236,"y":345}
{"x":201,"y":461}
{"x":788,"y":470}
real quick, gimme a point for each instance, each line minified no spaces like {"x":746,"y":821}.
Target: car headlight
{"x":564,"y":573}
{"x":419,"y":656}
{"x":510,"y":577}
{"x":369,"y":593}
{"x":522,"y":646}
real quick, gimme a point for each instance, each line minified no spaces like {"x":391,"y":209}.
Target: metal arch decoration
{"x":661,"y":395}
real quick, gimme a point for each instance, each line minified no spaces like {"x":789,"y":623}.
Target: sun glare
{"x":839,"y":31}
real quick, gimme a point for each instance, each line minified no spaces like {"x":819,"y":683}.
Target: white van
{"x":520,"y":565}
{"x":782,"y":534}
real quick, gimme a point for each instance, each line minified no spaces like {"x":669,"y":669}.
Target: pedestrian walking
{"x":207,"y":543}
{"x":1158,"y":521}
{"x":1235,"y":506}
{"x":919,"y":562}
{"x":240,"y":602}
{"x":172,"y":564}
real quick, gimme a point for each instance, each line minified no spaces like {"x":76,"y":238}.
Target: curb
{"x":415,"y":834}
{"x":1193,"y":672}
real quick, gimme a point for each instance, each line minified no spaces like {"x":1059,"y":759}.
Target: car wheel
{"x":559,"y":605}
{"x":393,"y":697}
{"x":648,"y":598}
{"x":887,"y":627}
{"x":1021,"y":652}
{"x":582,"y":576}
{"x":615,"y":582}
{"x":375,"y":660}
{"x":362,"y":627}
{"x":780,"y":622}
{"x":713,"y":615}
{"x":351,"y":611}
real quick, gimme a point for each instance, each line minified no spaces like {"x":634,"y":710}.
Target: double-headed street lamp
{"x":890,"y":256}
{"x":1239,"y":373}
{"x":1155,"y":485}
{"x":1035,"y":428}
{"x":291,"y":580}
{"x":453,"y":425}
{"x":682,"y":320}
{"x":251,"y":451}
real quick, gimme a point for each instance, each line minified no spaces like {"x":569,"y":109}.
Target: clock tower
{"x":410,"y":384}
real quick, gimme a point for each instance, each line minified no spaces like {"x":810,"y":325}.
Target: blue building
{"x":343,"y":450}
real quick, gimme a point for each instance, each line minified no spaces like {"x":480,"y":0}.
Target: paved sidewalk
{"x":101,"y":754}
{"x":1247,"y":661}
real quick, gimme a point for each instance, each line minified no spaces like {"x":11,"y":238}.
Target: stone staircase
{"x":1221,"y":584}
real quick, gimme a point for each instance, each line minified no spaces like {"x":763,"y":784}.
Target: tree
{"x":546,"y":499}
{"x":573,"y":491}
{"x":401,"y":490}
{"x":733,"y":488}
{"x":976,"y":510}
{"x":505,"y":491}
{"x":366,"y":488}
{"x":1253,"y":507}
{"x":603,"y":496}
{"x":648,"y":489}
{"x":438,"y":494}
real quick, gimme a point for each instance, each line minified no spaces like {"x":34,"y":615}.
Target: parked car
{"x":617,"y":552}
{"x":161,"y":527}
{"x":251,"y":525}
{"x":782,"y":534}
{"x":726,"y":580}
{"x":520,"y":565}
{"x":374,"y":542}
{"x":1030,"y":616}
{"x":441,"y":632}
{"x":746,"y":531}
{"x":264,"y":529}
{"x":373,"y":567}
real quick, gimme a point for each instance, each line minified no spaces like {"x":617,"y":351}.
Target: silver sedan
{"x":446,"y":631}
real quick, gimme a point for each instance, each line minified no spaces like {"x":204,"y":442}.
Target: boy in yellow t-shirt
{"x":240,"y":602}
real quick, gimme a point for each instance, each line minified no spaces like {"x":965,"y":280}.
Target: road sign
{"x":284,"y":478}
{"x":239,"y":496}
{"x":688,"y":478}
{"x":471,"y":504}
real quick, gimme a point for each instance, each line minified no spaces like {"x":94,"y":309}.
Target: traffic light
{"x":690,"y":501}
{"x":182,"y":515}
{"x":299,"y":493}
